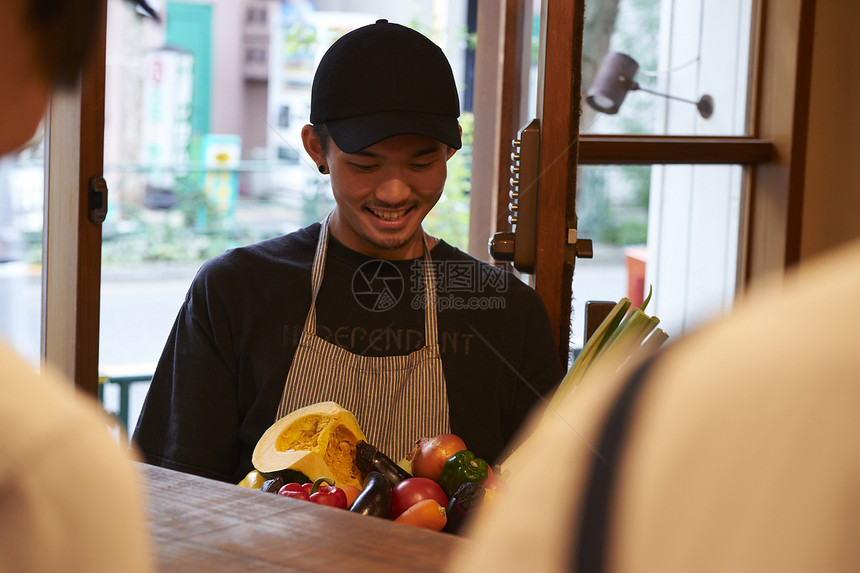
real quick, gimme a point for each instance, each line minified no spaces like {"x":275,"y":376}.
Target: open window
{"x":659,"y":185}
{"x":546,"y":33}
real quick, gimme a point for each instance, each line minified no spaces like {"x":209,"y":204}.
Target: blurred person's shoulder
{"x":36,"y":405}
{"x":60,"y":464}
{"x":741,"y":451}
{"x":751,"y":421}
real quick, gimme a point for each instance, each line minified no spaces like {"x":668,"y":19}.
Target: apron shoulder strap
{"x":317,"y":270}
{"x":594,"y":522}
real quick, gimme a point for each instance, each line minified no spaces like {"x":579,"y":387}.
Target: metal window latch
{"x":97,"y":205}
{"x":582,"y":248}
{"x":519,"y":245}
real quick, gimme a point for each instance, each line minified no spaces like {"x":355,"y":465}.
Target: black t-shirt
{"x":218,"y":383}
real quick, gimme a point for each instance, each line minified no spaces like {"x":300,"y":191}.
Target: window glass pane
{"x":21,"y":219}
{"x":674,"y":228}
{"x":535,"y":54}
{"x":203,"y":149}
{"x":686,"y":50}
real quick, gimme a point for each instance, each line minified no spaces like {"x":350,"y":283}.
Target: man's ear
{"x":312,"y":144}
{"x":451,"y":150}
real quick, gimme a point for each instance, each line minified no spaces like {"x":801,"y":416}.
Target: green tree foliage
{"x":450,"y":218}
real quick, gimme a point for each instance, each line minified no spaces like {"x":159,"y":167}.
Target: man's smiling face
{"x":384,"y":192}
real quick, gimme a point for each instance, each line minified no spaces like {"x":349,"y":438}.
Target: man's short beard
{"x":395,"y":244}
{"x":388,"y":245}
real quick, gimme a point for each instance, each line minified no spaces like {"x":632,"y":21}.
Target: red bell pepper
{"x":316,"y":492}
{"x":295,"y":491}
{"x":328,"y":494}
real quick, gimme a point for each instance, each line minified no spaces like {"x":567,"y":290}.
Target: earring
{"x":322,"y":169}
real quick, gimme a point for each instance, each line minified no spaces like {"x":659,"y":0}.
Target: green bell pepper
{"x":463,"y":467}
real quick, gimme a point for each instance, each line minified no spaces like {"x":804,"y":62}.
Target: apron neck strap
{"x":431,"y":334}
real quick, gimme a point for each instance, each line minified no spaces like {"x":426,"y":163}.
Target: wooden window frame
{"x":773,"y":153}
{"x":667,"y":150}
{"x":71,"y":275}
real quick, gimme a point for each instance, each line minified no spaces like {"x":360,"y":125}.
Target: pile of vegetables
{"x":320,"y":455}
{"x":426,"y":489}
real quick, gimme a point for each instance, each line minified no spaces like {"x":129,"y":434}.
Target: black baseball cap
{"x":383,"y":80}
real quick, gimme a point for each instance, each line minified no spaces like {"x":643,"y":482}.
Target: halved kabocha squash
{"x":318,"y":441}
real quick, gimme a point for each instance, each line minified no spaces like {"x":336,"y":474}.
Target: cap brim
{"x":356,"y":133}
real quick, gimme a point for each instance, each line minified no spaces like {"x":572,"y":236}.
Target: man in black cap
{"x":366,"y":309}
{"x":383,"y":94}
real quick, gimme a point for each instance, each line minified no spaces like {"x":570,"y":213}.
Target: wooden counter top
{"x":204,"y":525}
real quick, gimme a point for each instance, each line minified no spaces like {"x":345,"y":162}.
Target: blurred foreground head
{"x":740,"y":451}
{"x":43,"y":44}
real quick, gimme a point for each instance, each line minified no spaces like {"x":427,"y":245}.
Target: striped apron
{"x":396,"y":399}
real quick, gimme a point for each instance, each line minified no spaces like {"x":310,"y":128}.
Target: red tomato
{"x":410,"y":491}
{"x":351,"y":492}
